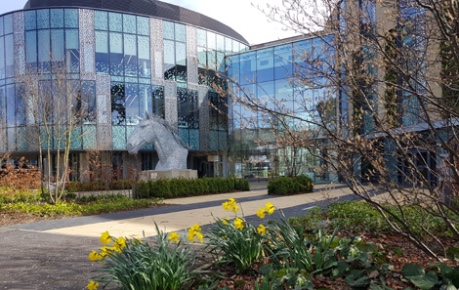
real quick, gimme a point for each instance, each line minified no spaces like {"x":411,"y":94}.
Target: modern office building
{"x":105,"y":63}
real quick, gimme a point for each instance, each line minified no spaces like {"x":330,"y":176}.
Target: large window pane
{"x":116,"y":54}
{"x":8,"y":23}
{"x":30,"y":20}
{"x":2,"y":57}
{"x":57,"y":45}
{"x":202,"y":37}
{"x":247,"y":66}
{"x":143,"y":25}
{"x":144,"y":56}
{"x":180,"y":32}
{"x":265,"y":71}
{"x":115,"y":22}
{"x":9,"y":55}
{"x":129,"y":23}
{"x":118,"y":104}
{"x":57,"y":18}
{"x":158,"y":101}
{"x":130,"y":55}
{"x":283,"y":61}
{"x":168,"y":30}
{"x":132,"y":104}
{"x":43,"y":18}
{"x":101,"y":20}
{"x":72,"y":50}
{"x":71,"y":18}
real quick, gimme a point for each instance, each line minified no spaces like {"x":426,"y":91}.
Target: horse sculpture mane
{"x":172,"y":151}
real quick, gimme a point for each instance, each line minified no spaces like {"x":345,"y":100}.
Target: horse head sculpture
{"x":172,"y":151}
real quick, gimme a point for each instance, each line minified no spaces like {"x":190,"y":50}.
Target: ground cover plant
{"x":303,"y":253}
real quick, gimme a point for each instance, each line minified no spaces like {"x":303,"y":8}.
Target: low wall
{"x":156,"y":174}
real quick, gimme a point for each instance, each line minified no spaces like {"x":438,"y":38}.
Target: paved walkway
{"x":181,"y":213}
{"x":54,"y":254}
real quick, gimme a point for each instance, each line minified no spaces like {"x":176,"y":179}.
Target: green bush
{"x":290,"y":185}
{"x":181,"y":187}
{"x":80,"y":186}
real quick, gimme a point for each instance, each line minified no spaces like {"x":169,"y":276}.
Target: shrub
{"x":181,"y":187}
{"x":290,"y":185}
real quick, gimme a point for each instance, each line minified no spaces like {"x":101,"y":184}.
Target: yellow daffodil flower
{"x":120,"y":244}
{"x":269,"y":207}
{"x":239,"y":223}
{"x":94,"y":256}
{"x":261,"y":230}
{"x":105,"y":238}
{"x":231,"y":205}
{"x":92,"y":285}
{"x":261,"y":213}
{"x":225,"y":221}
{"x":174,"y":237}
{"x":195,"y":232}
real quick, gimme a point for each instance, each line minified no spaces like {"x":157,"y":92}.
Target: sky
{"x":241,"y":15}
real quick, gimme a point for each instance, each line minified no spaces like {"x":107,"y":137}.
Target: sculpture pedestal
{"x":156,"y":174}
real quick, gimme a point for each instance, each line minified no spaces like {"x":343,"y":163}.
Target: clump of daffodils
{"x":111,"y":245}
{"x":194,"y":233}
{"x":231,"y":205}
{"x":269,"y":208}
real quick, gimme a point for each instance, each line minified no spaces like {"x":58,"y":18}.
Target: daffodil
{"x":92,"y":285}
{"x":261,"y":230}
{"x":94,"y":256}
{"x":261,"y":213}
{"x":105,"y":251}
{"x":239,"y":223}
{"x":120,"y":243}
{"x":269,"y":207}
{"x":105,"y":238}
{"x":174,"y":237}
{"x":225,"y":221}
{"x":231,"y":205}
{"x":195,"y":232}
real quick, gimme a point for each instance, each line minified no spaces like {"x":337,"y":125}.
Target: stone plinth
{"x":156,"y":174}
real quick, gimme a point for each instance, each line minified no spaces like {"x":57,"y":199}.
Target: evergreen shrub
{"x":290,"y":185}
{"x":181,"y":187}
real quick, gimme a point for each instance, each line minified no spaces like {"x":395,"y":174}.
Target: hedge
{"x":290,"y":185}
{"x":80,"y":186}
{"x":181,"y":187}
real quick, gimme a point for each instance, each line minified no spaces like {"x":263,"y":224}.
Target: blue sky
{"x":241,"y":15}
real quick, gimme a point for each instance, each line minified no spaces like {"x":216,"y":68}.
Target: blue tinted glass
{"x":101,"y":20}
{"x":71,"y":18}
{"x":283,"y":61}
{"x":180,"y":53}
{"x":9,"y":55}
{"x":30,"y":20}
{"x":180,"y":32}
{"x":115,"y":22}
{"x":1,"y":26}
{"x":265,"y":71}
{"x":43,"y":18}
{"x":8,"y":23}
{"x":71,"y":39}
{"x":57,"y":18}
{"x":232,"y":63}
{"x":247,"y":68}
{"x":202,"y":37}
{"x":143,"y":25}
{"x":129,"y":23}
{"x":44,"y":47}
{"x":2,"y":57}
{"x":168,"y":30}
{"x":57,"y":44}
{"x":101,"y":42}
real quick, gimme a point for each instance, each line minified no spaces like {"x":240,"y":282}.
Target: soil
{"x":398,"y":250}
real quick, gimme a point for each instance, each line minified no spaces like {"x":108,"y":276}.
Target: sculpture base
{"x":157,"y":174}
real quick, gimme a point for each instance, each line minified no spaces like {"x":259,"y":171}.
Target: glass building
{"x":106,"y":63}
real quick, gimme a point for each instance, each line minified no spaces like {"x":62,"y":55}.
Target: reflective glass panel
{"x":130,"y":55}
{"x":143,"y":25}
{"x":180,"y":32}
{"x":283,"y":61}
{"x":43,"y":18}
{"x":115,"y":21}
{"x":118,"y":103}
{"x":220,"y":43}
{"x":57,"y":18}
{"x":265,"y":71}
{"x":101,"y":42}
{"x":57,"y":44}
{"x":129,"y":23}
{"x":71,"y":39}
{"x":8,"y":23}
{"x":71,"y":18}
{"x":1,"y":26}
{"x":169,"y":52}
{"x":202,"y":37}
{"x":101,"y":20}
{"x":2,"y":57}
{"x":180,"y":53}
{"x":228,"y":44}
{"x":168,"y":30}
{"x":30,"y":20}
{"x":247,"y":68}
{"x":211,"y":40}
{"x":144,"y":56}
{"x":9,"y":55}
{"x":116,"y":42}
{"x":132,"y":104}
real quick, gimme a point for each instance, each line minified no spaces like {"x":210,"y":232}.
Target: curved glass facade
{"x":106,"y":69}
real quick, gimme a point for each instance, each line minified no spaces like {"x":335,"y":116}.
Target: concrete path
{"x":182,"y":213}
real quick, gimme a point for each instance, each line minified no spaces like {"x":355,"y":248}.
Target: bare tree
{"x":57,"y":108}
{"x":387,"y":72}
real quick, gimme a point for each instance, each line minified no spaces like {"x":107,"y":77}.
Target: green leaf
{"x":412,"y":270}
{"x":425,"y":282}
